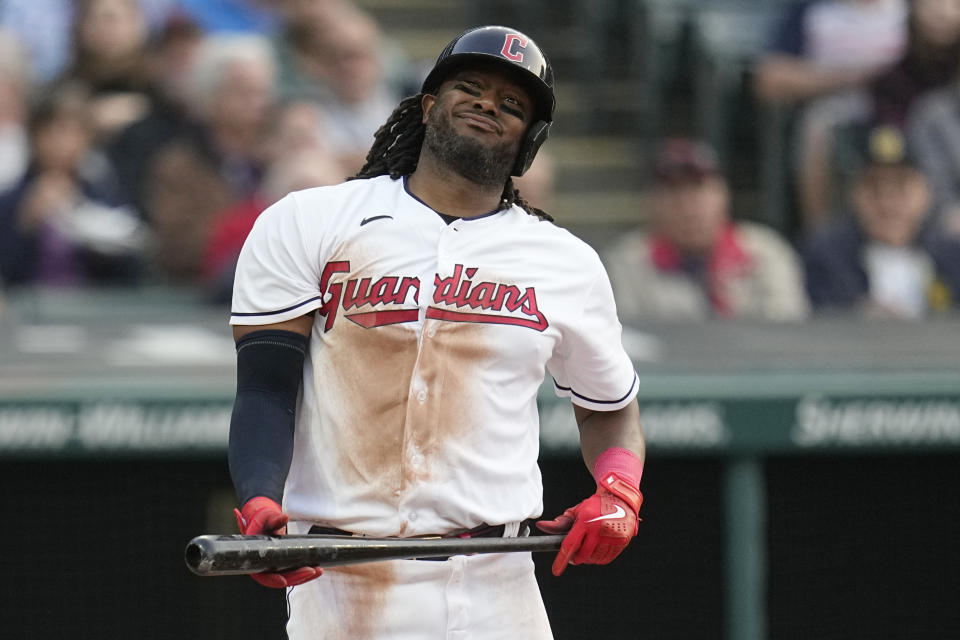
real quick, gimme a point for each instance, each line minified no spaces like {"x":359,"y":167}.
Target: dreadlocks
{"x":396,"y":150}
{"x":396,"y":144}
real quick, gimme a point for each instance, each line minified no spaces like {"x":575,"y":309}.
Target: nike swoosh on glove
{"x":598,"y":528}
{"x":262,"y":515}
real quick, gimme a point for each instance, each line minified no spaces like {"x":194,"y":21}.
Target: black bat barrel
{"x":220,"y":555}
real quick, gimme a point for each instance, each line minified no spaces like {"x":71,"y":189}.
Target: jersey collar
{"x":406,"y":188}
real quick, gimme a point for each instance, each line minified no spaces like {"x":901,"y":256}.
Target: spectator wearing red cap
{"x":693,"y":262}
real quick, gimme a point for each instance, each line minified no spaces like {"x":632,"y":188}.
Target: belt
{"x":481,"y":531}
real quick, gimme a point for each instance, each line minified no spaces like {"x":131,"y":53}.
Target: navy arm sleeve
{"x":269,"y":373}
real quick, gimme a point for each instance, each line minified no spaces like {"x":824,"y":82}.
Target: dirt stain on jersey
{"x":370,"y":372}
{"x":452,"y":357}
{"x":362,"y":592}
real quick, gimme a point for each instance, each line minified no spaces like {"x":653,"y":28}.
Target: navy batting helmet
{"x":514,"y":50}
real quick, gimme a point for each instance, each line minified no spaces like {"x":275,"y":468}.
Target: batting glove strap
{"x":623,"y":489}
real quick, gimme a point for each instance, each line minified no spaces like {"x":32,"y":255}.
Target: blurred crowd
{"x":140,"y":139}
{"x":873,"y":87}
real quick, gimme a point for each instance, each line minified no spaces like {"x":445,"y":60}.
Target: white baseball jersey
{"x":418,"y":411}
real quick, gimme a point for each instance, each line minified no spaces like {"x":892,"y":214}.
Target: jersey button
{"x":422,"y":395}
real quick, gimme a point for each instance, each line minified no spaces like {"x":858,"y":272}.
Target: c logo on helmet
{"x":513,"y":47}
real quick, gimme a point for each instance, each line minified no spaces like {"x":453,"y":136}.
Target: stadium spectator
{"x":301,"y":71}
{"x":133,"y":149}
{"x":62,"y":223}
{"x":298,"y":125}
{"x":299,"y":157}
{"x":822,"y":56}
{"x":335,"y":54}
{"x":933,"y":135}
{"x":212,"y":168}
{"x":694,"y":262}
{"x":45,"y":26}
{"x":299,"y":169}
{"x":884,"y":259}
{"x":232,"y":16}
{"x":538,"y":184}
{"x":360,"y":98}
{"x":932,"y":60}
{"x":15,"y":88}
{"x":110,"y":56}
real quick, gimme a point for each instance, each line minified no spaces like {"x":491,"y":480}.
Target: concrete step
{"x":594,"y":163}
{"x":584,"y":209}
{"x":593,"y":153}
{"x":423,"y":37}
{"x":421,"y":44}
{"x":395,"y":17}
{"x":600,"y":106}
{"x":596,"y":178}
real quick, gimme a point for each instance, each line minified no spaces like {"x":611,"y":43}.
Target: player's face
{"x":475,"y":123}
{"x":488,"y":102}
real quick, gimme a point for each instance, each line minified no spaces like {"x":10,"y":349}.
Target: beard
{"x":479,"y":163}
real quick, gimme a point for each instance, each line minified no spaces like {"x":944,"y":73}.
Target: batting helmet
{"x":514,"y":50}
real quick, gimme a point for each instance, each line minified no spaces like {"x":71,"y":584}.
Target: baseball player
{"x":392,"y":333}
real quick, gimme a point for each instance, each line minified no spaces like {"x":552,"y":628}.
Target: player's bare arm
{"x":600,"y":430}
{"x":601,"y":526}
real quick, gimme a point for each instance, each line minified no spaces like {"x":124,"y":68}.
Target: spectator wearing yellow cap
{"x":885,"y":257}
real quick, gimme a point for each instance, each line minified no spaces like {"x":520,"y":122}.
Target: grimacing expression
{"x":476,"y":122}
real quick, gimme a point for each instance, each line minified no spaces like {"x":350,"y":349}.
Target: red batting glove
{"x":262,"y":515}
{"x":598,"y":528}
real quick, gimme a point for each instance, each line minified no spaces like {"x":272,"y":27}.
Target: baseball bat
{"x":224,"y":555}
